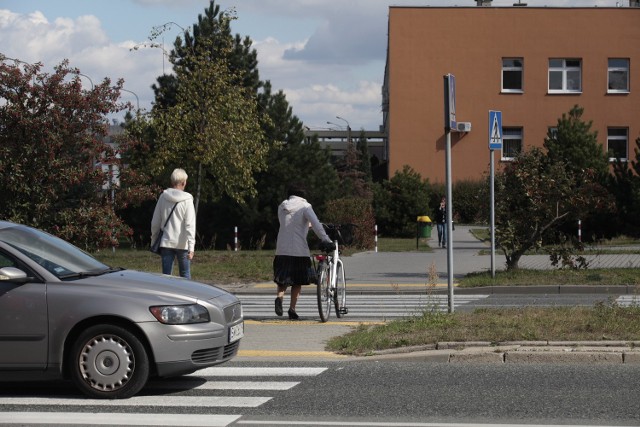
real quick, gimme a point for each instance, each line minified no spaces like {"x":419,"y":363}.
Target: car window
{"x":57,"y":256}
{"x":5,"y":261}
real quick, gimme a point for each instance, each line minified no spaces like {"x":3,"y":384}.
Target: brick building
{"x":531,"y":63}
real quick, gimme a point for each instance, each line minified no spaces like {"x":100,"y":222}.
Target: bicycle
{"x":332,"y":285}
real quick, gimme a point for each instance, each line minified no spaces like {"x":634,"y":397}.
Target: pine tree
{"x":573,"y":142}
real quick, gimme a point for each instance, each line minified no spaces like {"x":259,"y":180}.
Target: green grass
{"x":603,"y":322}
{"x":524,"y":277}
{"x":206,"y":266}
{"x":390,"y":244}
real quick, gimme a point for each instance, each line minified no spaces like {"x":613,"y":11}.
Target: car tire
{"x":108,"y":362}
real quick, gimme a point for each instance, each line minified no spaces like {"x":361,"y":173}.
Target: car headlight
{"x":180,"y":314}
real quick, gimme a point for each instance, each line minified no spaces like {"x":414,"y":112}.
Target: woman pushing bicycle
{"x":292,"y":262}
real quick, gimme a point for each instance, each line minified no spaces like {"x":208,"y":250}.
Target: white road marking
{"x":154,"y":401}
{"x":258,"y":372}
{"x":116,"y":419}
{"x":224,"y":385}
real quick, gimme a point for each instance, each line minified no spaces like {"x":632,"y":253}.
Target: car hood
{"x":127,"y":281}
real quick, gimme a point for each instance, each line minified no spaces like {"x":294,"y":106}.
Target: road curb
{"x":525,"y":352}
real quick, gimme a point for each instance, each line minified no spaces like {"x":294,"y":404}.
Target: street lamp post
{"x":348,"y":128}
{"x":134,"y":94}
{"x":89,"y":78}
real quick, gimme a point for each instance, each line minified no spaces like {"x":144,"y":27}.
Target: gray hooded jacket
{"x":295,"y":215}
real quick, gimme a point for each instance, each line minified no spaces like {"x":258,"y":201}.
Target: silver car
{"x":64,"y":314}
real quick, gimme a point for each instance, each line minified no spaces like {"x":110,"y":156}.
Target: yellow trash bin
{"x":424,"y":226}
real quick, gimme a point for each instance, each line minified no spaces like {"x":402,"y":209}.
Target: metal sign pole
{"x":493,"y":217}
{"x":495,"y":143}
{"x":449,"y":225}
{"x":449,"y":122}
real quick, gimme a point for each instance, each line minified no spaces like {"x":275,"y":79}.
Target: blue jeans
{"x":184,"y":264}
{"x":442,"y":233}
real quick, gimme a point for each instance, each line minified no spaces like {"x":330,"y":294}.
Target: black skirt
{"x":292,"y":270}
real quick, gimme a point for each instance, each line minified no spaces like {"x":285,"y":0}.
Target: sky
{"x":327,"y":56}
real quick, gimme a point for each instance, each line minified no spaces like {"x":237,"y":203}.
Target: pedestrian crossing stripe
{"x":116,"y":419}
{"x":389,"y":286}
{"x":265,"y":371}
{"x":221,"y":385}
{"x":187,"y":383}
{"x":138,"y":401}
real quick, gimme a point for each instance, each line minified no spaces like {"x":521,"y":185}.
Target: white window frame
{"x":615,"y":138}
{"x":618,"y":68}
{"x":565,"y":72}
{"x":513,"y":68}
{"x":509,"y":133}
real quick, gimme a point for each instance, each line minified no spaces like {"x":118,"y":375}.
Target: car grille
{"x":210,"y":355}
{"x":232,"y":313}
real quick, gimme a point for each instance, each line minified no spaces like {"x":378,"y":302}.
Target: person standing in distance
{"x":441,"y":223}
{"x":179,"y":238}
{"x":292,"y":261}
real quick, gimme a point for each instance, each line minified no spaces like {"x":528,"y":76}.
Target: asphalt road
{"x":349,"y":393}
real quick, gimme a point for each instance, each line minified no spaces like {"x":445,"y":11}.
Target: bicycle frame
{"x":332,"y":289}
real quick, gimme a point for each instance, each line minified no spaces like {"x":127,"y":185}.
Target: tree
{"x":573,"y":142}
{"x":214,"y":127}
{"x":212,"y":28}
{"x":532,"y":195}
{"x":399,"y":201}
{"x":52,"y":155}
{"x":353,"y":179}
{"x":625,"y":186}
{"x":535,"y":195}
{"x":540,"y":193}
{"x":290,"y":159}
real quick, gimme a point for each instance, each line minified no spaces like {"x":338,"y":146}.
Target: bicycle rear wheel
{"x":340,"y":293}
{"x":323,"y":291}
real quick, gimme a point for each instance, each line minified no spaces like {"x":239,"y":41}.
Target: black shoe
{"x":292,"y":314}
{"x":278,"y":306}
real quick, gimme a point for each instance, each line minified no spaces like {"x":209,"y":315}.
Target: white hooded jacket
{"x":295,"y":214}
{"x":180,"y":232}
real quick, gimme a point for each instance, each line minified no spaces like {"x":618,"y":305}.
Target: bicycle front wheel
{"x":323,"y":291}
{"x":340,"y":293}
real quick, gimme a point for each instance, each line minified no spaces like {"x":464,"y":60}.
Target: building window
{"x":565,"y":75}
{"x":618,"y":75}
{"x":512,"y":75}
{"x":617,"y":142}
{"x":511,"y":142}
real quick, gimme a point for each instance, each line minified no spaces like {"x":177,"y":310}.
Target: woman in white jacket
{"x":293,"y":260}
{"x":179,"y":235}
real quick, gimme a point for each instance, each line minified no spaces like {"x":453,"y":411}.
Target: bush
{"x":470,"y":201}
{"x":353,"y":211}
{"x":398,"y":202}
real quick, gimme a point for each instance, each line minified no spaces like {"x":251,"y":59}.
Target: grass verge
{"x":603,"y":322}
{"x":524,"y":277}
{"x":206,"y":266}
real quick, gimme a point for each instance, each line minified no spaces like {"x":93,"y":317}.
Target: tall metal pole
{"x":449,"y":224}
{"x":348,"y":128}
{"x":493,"y":217}
{"x":449,"y":118}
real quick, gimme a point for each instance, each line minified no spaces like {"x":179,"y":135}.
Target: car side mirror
{"x":12,"y":274}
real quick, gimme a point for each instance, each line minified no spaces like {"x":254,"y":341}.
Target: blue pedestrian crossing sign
{"x":495,"y":130}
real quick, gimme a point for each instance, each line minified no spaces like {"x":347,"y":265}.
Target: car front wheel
{"x":109,"y":362}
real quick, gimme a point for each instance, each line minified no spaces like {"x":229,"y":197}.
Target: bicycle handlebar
{"x":327,"y":247}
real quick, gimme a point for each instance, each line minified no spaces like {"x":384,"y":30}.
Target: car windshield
{"x":59,"y":257}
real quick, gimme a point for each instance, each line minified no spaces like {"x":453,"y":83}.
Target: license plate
{"x":236,"y":332}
